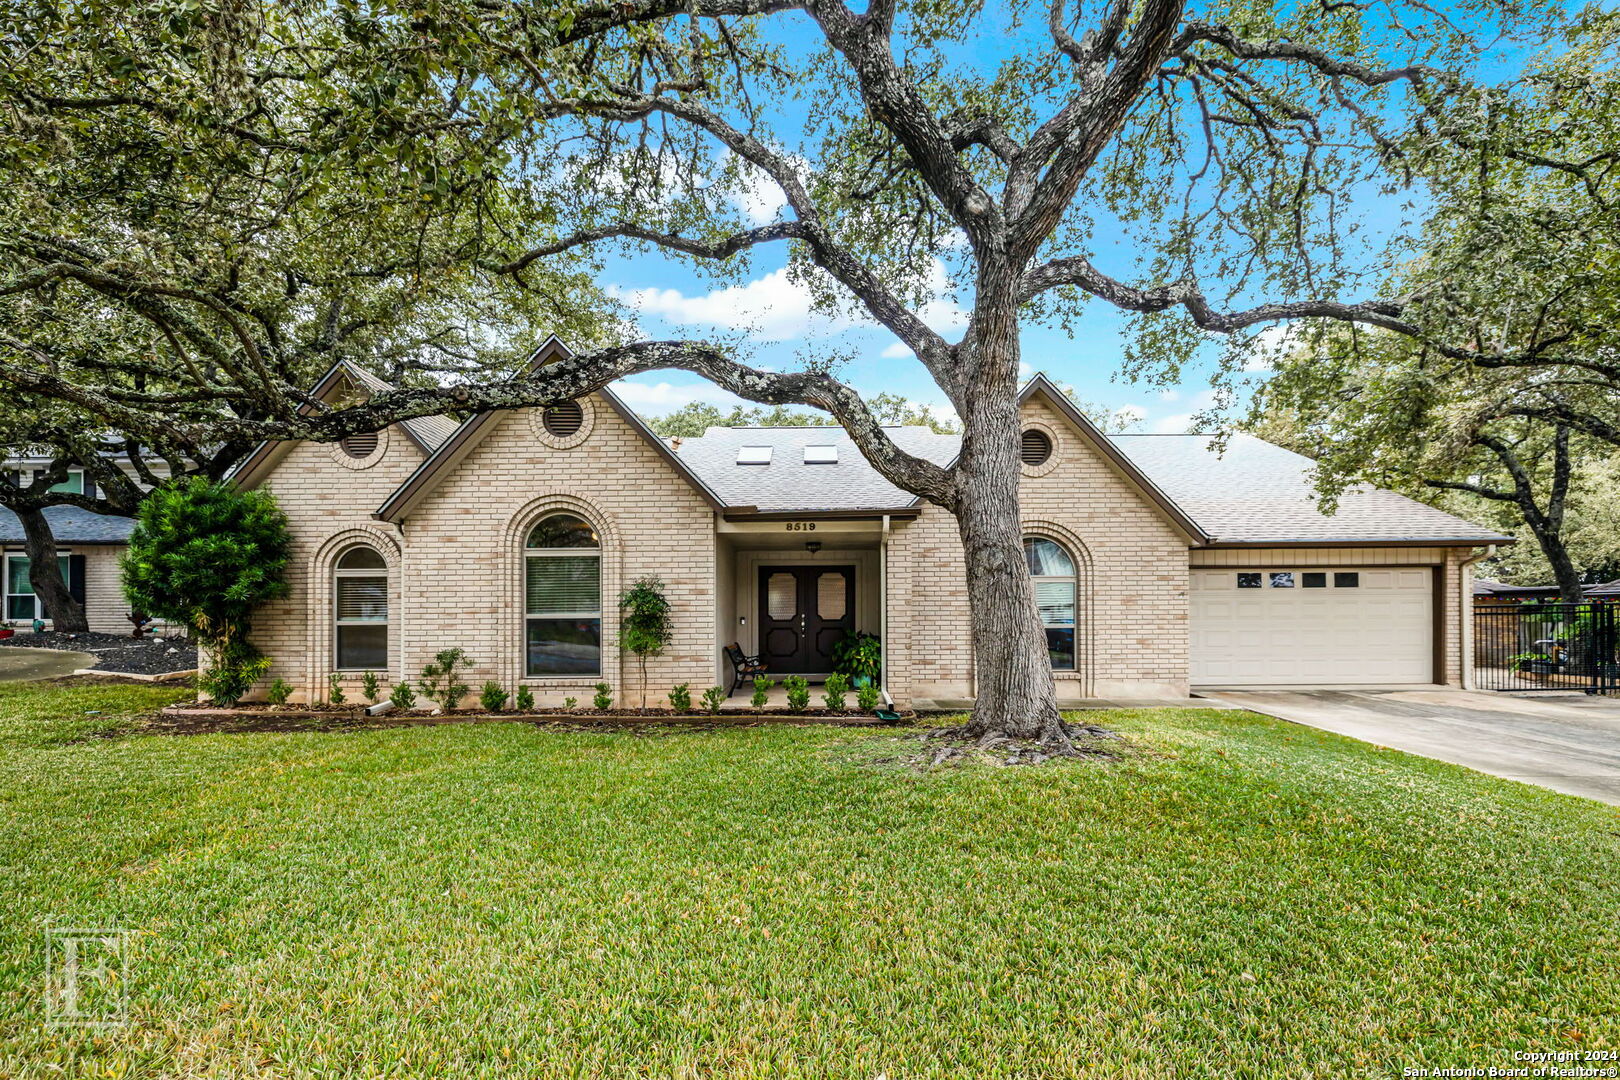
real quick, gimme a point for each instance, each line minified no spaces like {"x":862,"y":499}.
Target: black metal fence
{"x":1547,"y":646}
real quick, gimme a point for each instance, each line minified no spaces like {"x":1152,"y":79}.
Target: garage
{"x":1332,"y":625}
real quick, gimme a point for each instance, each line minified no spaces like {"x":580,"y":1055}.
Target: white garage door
{"x":1333,"y":625}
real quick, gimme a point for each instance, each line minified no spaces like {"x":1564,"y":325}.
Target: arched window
{"x":562,"y":592}
{"x":1055,"y":589}
{"x":360,"y":591}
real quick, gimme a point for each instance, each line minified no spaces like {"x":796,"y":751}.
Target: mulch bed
{"x":114,"y":652}
{"x":200,"y":720}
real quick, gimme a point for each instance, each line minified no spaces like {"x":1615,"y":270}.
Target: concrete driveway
{"x":1567,"y":742}
{"x":20,"y":664}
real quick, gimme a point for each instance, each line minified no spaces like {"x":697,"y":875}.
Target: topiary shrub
{"x":837,"y":686}
{"x":492,"y":697}
{"x":869,"y":697}
{"x":798,"y":692}
{"x":644,"y":624}
{"x":680,"y":698}
{"x":206,"y":556}
{"x":604,"y":696}
{"x":525,"y":698}
{"x":762,"y":692}
{"x":280,"y":690}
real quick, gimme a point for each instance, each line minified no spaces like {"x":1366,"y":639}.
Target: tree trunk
{"x":45,"y":574}
{"x":1014,"y":693}
{"x":1570,"y":588}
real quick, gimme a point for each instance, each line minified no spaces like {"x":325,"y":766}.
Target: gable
{"x":442,"y":465}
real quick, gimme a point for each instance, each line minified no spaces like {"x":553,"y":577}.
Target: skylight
{"x":753,"y":455}
{"x":821,"y":455}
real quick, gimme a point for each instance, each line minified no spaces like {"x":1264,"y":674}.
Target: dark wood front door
{"x":803,"y":611}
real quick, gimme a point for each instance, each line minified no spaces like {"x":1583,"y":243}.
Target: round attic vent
{"x":360,"y":446}
{"x":1036,"y":447}
{"x":564,"y":419}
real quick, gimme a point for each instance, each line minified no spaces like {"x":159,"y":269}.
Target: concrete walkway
{"x":1566,"y":742}
{"x":22,"y":665}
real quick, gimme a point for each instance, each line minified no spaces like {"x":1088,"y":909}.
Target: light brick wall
{"x":104,"y":605}
{"x":1131,"y":637}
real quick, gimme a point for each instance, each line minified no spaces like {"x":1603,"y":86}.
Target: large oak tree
{"x":1019,"y":148}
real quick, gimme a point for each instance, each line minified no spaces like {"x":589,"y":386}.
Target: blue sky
{"x":770,"y":315}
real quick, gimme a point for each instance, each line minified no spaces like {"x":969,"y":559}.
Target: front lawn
{"x":1252,"y":898}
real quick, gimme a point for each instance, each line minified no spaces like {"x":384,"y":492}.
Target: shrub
{"x":604,"y":696}
{"x":644,"y":626}
{"x":798,"y":692}
{"x":869,"y":697}
{"x":492,"y":697}
{"x":837,"y":686}
{"x":402,"y":695}
{"x":441,"y":682}
{"x":369,"y":687}
{"x":334,"y":690}
{"x":713,"y":698}
{"x":525,"y":699}
{"x":206,"y":555}
{"x":680,"y":698}
{"x":280,"y":690}
{"x":762,"y":692}
{"x":570,"y":702}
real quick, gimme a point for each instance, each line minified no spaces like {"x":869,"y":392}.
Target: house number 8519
{"x":801,"y":526}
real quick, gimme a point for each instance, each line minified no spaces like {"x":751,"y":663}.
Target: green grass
{"x":1252,"y":899}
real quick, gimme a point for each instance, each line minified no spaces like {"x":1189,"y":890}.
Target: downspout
{"x":883,"y":610}
{"x":1465,"y":616}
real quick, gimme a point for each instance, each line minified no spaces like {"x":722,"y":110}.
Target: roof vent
{"x":362,"y":445}
{"x":753,"y":455}
{"x":821,"y":455}
{"x":563,"y":420}
{"x":1036,"y":447}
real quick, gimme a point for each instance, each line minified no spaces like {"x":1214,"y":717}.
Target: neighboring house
{"x":89,"y":546}
{"x":1495,"y":593}
{"x":1160,"y":564}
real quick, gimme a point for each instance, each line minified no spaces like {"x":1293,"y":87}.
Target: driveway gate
{"x":1546,"y":646}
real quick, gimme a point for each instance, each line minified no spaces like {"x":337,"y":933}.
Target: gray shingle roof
{"x":1256,"y":492}
{"x":71,"y":525}
{"x":430,"y":431}
{"x":1253,"y":493}
{"x":787,"y":483}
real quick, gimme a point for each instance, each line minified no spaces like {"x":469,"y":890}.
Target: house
{"x":89,"y":546}
{"x":1161,"y":563}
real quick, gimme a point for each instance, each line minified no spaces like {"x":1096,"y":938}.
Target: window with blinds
{"x":1056,"y":597}
{"x":562,"y":598}
{"x":360,"y":591}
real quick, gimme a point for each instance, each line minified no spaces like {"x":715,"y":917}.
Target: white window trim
{"x":386,"y":621}
{"x":1073,"y":625}
{"x":62,"y":555}
{"x":528,"y":616}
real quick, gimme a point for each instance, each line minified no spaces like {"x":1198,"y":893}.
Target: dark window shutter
{"x":89,"y":487}
{"x":76,"y":577}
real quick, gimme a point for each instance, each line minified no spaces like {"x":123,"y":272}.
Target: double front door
{"x":803,"y":611}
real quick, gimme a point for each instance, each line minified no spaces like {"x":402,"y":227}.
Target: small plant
{"x":525,"y":699}
{"x":280,"y":690}
{"x":869,"y":697}
{"x":369,"y":687}
{"x":492,"y":697}
{"x":713,"y":698}
{"x":798,"y":692}
{"x":837,"y":686}
{"x":334,"y":690}
{"x":680,"y":698}
{"x":1530,"y":661}
{"x":858,"y":655}
{"x":604,"y":696}
{"x":644,"y":626}
{"x":402,"y":695}
{"x":762,"y":692}
{"x":441,"y":682}
{"x":570,"y":702}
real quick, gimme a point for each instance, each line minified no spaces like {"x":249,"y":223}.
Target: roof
{"x":1256,"y":493}
{"x":788,"y":484}
{"x":1483,"y":587}
{"x":429,"y":432}
{"x":71,"y":525}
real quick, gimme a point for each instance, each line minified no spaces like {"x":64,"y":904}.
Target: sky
{"x":770,"y":316}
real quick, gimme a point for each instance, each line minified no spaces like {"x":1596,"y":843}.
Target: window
{"x":1282,"y":579}
{"x":1248,"y":581}
{"x":1351,"y":580}
{"x":360,"y":591}
{"x":73,"y":485}
{"x":562,"y":590}
{"x":21,"y":603}
{"x":1054,"y":576}
{"x":1035,"y":447}
{"x":361,"y":445}
{"x":1316,"y":580}
{"x":753,"y":455}
{"x":821,"y":455}
{"x":564,"y":419}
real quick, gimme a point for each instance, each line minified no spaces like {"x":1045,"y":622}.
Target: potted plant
{"x":1533,"y":663}
{"x":860,"y":656}
{"x":7,"y":630}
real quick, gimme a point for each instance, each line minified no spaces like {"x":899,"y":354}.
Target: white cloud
{"x":1130,"y":414}
{"x":1169,"y":393}
{"x":759,"y":199}
{"x":1174,"y":424}
{"x":666,"y":397}
{"x":897,"y":351}
{"x":1269,"y":343}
